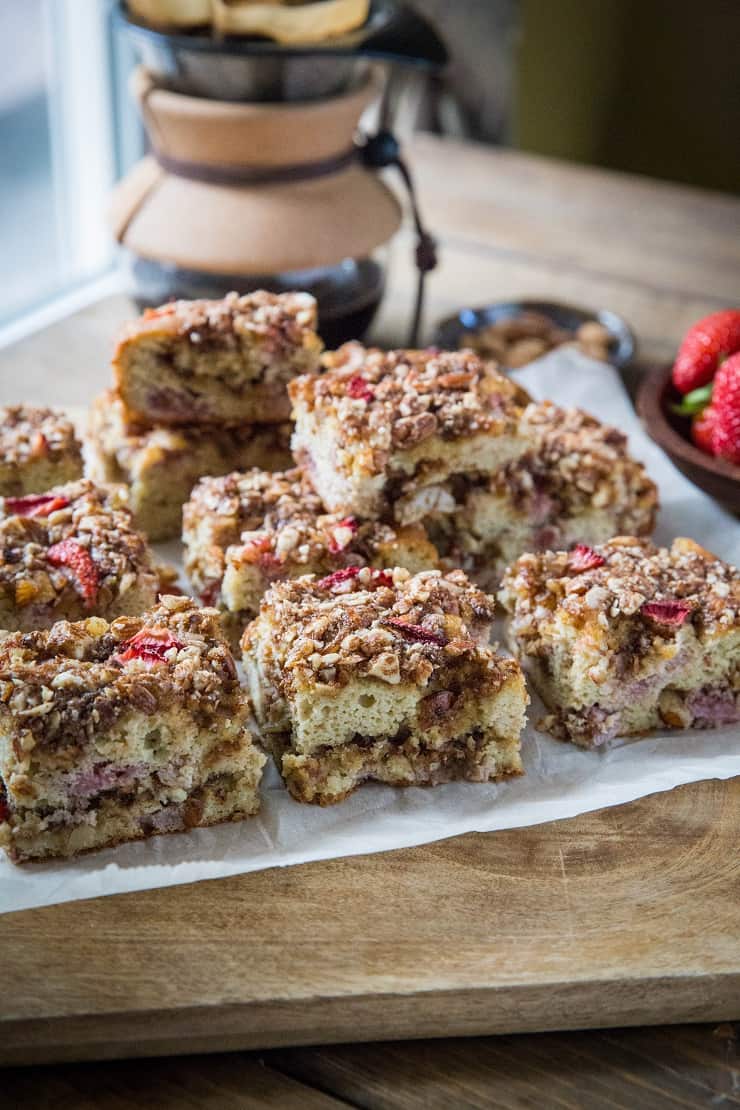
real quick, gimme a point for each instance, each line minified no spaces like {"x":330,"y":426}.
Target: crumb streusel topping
{"x":81,"y":538}
{"x":368,"y":623}
{"x":253,"y":512}
{"x":248,"y":501}
{"x":665,"y":588}
{"x":28,"y":432}
{"x":575,"y":462}
{"x":388,"y":401}
{"x":65,"y":684}
{"x":280,"y":321}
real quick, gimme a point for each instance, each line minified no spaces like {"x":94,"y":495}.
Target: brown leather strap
{"x":211,"y":173}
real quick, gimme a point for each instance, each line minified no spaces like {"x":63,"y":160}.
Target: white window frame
{"x":82,"y":88}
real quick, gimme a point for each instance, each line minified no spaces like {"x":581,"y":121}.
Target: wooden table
{"x":623,"y":917}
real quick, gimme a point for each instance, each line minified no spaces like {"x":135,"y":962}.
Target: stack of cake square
{"x":416,"y":459}
{"x":200,"y":388}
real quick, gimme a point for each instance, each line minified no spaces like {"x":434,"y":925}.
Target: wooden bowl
{"x":717,"y":477}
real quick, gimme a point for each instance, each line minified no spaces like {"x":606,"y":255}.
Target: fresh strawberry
{"x":672,"y":611}
{"x":359,"y":389}
{"x":726,"y":405}
{"x":150,"y":645}
{"x":4,"y":807}
{"x":78,"y":560}
{"x":341,"y":534}
{"x":35,"y":504}
{"x":583,"y":558}
{"x":702,"y":429}
{"x":703,"y":348}
{"x":415,"y":632}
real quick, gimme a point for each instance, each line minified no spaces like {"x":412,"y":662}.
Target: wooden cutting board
{"x":627,"y":916}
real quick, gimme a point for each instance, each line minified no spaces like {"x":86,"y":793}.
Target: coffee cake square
{"x":221,"y":362}
{"x":627,"y":637}
{"x":575,"y":483}
{"x":38,"y":449}
{"x":382,"y":675}
{"x":161,"y":465}
{"x":385,"y":433}
{"x":243,"y":532}
{"x":70,"y":553}
{"x":118,"y":731}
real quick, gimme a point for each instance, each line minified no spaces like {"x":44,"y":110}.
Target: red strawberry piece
{"x":415,"y":632}
{"x":381,"y":578}
{"x":704,"y":346}
{"x":270,"y":564}
{"x":726,"y":405}
{"x":346,"y":574}
{"x":78,"y":560}
{"x":341,"y":534}
{"x":359,"y":389}
{"x":260,"y":551}
{"x":35,"y":504}
{"x":172,"y":589}
{"x":583,"y":558}
{"x":150,"y":645}
{"x":210,"y":594}
{"x":672,"y":612}
{"x":4,"y":807}
{"x":702,"y":429}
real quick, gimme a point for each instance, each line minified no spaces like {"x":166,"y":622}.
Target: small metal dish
{"x":450,"y":332}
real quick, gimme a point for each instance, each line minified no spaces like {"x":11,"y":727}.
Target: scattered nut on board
{"x":521,"y":339}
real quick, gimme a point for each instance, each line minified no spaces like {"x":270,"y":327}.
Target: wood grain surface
{"x":623,"y":917}
{"x":691,"y":1067}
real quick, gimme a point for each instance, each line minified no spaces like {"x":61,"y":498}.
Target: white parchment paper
{"x":560,"y":781}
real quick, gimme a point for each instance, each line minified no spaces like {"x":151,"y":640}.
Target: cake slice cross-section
{"x":221,"y":362}
{"x":382,"y":675}
{"x":384,"y":433}
{"x":160,"y":465}
{"x":625,"y":637}
{"x":38,"y":449}
{"x":575,"y":483}
{"x":111,"y":732}
{"x":242,"y":532}
{"x":71,"y":553}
